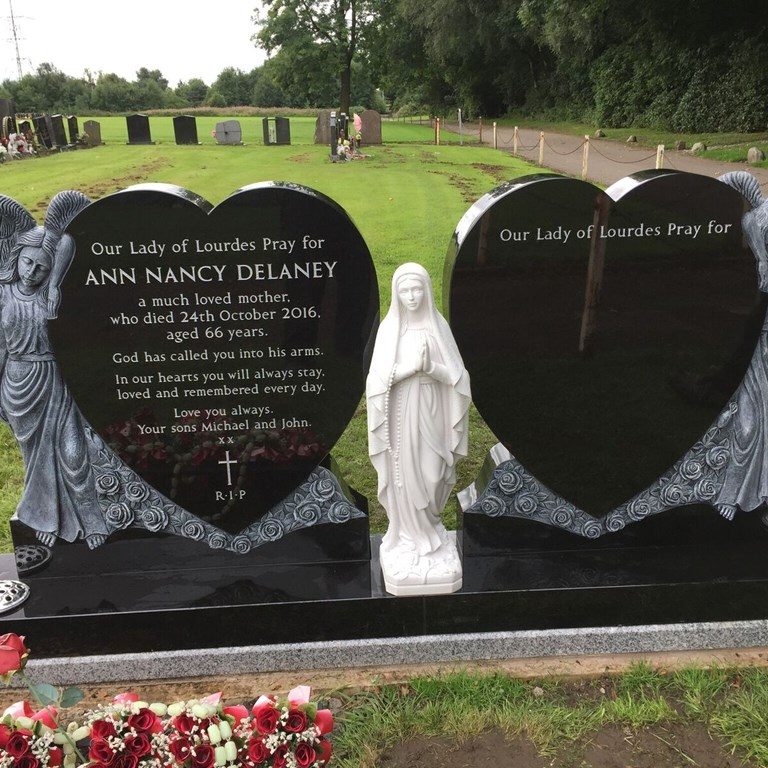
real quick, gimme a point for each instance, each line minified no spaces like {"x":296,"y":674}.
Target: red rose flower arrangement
{"x":129,"y":733}
{"x":30,"y":739}
{"x":204,"y":734}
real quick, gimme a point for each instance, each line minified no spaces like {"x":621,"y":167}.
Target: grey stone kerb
{"x":216,"y":662}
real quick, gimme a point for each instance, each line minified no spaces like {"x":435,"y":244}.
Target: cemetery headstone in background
{"x":25,"y":126}
{"x":276,"y":130}
{"x":185,"y":129}
{"x":58,"y":133}
{"x":371,"y":128}
{"x":8,"y":126}
{"x":229,"y":132}
{"x":42,"y":131}
{"x":323,"y":127}
{"x":92,"y":129}
{"x":216,"y":367}
{"x":73,"y":128}
{"x":138,"y":129}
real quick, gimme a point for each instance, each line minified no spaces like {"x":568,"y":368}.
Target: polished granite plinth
{"x":531,"y":589}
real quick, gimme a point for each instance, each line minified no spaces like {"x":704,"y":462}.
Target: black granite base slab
{"x":282,"y":604}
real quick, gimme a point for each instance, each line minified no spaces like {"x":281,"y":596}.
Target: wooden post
{"x":585,"y":158}
{"x":659,"y":157}
{"x":514,"y":142}
{"x":481,"y":130}
{"x":437,"y":131}
{"x":541,"y":147}
{"x":495,"y":137}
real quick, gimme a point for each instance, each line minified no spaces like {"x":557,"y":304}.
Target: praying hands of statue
{"x":426,"y":360}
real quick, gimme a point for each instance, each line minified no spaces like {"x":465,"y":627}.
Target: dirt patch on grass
{"x":459,"y":182}
{"x":664,"y":746}
{"x":497,"y":172}
{"x":668,"y":745}
{"x":304,"y":157}
{"x":491,"y":750}
{"x":138,"y":175}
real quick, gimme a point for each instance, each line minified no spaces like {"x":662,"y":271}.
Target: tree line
{"x":50,"y":90}
{"x":691,"y":65}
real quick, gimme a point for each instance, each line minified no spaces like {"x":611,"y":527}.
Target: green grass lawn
{"x":405,"y":198}
{"x":737,"y":153}
{"x":646,"y":136}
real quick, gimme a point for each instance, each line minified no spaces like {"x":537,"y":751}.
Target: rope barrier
{"x":622,"y":162}
{"x":523,"y":146}
{"x":564,"y":154}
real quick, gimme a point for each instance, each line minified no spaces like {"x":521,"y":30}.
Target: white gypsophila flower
{"x":272,"y":741}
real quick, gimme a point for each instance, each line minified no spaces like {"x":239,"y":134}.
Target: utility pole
{"x":15,"y":39}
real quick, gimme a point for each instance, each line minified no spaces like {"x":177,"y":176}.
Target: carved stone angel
{"x":745,"y":484}
{"x":59,"y":498}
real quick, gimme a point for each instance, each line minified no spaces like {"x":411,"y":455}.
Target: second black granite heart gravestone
{"x":217,"y":351}
{"x":603,"y":333}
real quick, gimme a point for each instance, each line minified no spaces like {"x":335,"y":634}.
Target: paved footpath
{"x":609,"y":161}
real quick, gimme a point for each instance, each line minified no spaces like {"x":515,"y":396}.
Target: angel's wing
{"x":63,"y":208}
{"x":754,"y":221}
{"x":14,"y":221}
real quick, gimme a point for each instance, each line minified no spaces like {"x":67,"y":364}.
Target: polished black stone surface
{"x":185,"y":129}
{"x":599,"y":361}
{"x":530,"y":589}
{"x":208,"y":356}
{"x":138,"y":129}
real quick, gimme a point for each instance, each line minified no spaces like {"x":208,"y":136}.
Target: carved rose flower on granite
{"x":154,"y":519}
{"x":526,"y":503}
{"x":241,"y":545}
{"x":717,"y":457}
{"x":692,"y":469}
{"x":340,"y":512}
{"x":672,"y":495}
{"x":615,"y":523}
{"x":108,"y":483}
{"x":706,"y":489}
{"x":492,"y":506}
{"x":509,"y":482}
{"x":119,"y":515}
{"x":638,"y":509}
{"x":591,"y":529}
{"x":562,"y":516}
{"x":217,"y":541}
{"x":136,"y":492}
{"x":270,"y":530}
{"x":194,"y":530}
{"x":308,"y":512}
{"x":322,"y":489}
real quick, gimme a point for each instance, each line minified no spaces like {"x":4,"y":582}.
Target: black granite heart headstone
{"x":603,"y":332}
{"x":219,"y":352}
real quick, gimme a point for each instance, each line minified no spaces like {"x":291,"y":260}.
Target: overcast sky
{"x":181,"y":38}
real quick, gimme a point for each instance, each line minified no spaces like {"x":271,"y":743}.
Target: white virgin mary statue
{"x":418,"y":399}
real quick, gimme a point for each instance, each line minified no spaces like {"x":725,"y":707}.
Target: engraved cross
{"x":229,"y":462}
